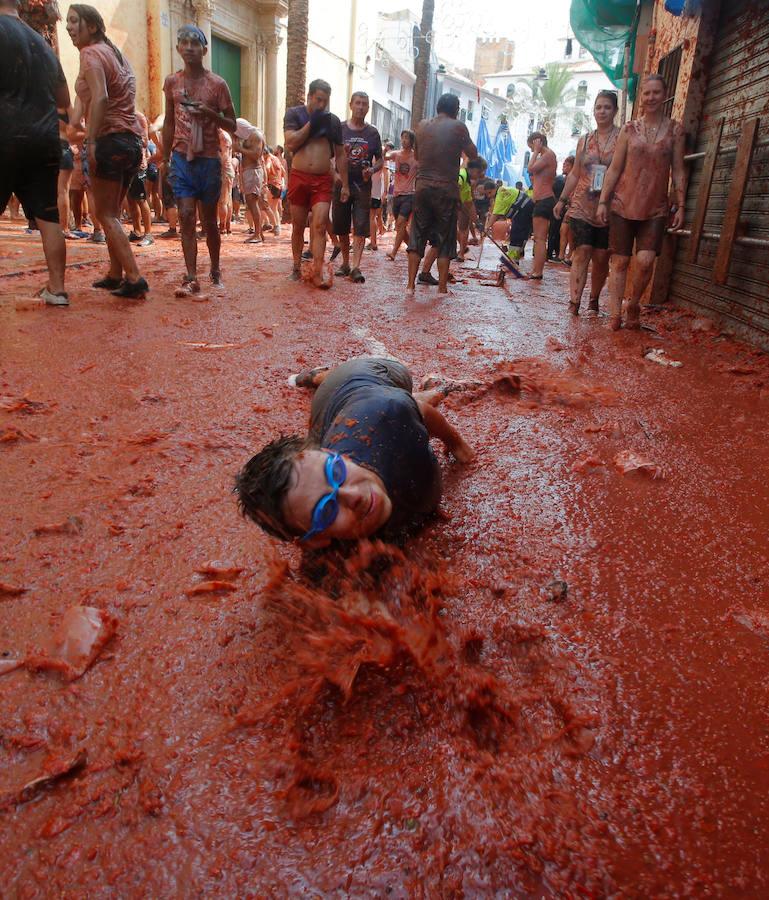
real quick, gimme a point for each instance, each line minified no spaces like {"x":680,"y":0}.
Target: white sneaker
{"x":54,"y":299}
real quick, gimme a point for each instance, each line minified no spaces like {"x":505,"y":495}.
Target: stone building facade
{"x":246,"y":47}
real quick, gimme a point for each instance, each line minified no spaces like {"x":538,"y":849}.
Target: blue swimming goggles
{"x":327,"y":508}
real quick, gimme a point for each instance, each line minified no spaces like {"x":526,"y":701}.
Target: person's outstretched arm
{"x":438,"y":427}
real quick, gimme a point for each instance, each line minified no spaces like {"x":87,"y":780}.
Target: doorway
{"x":225,"y":61}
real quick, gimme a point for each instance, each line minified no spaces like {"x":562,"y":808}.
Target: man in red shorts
{"x":314,"y":136}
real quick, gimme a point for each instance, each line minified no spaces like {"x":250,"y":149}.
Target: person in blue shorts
{"x":198,"y":104}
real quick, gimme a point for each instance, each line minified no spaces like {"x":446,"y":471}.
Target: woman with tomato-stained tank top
{"x":638,"y":186}
{"x":590,"y":239}
{"x":106,"y":98}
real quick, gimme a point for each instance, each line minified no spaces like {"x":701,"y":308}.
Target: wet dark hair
{"x":279,"y":147}
{"x":411,"y":135}
{"x":448,"y":104}
{"x":489,"y":184}
{"x":478,"y":163}
{"x":571,"y":159}
{"x":608,"y":95}
{"x":92,"y":16}
{"x":537,"y":135}
{"x":358,"y":94}
{"x":262,"y":484}
{"x":319,"y":85}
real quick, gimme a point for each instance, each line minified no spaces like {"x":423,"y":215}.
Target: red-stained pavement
{"x":495,"y":735}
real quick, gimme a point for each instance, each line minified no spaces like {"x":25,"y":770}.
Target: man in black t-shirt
{"x":32,"y":89}
{"x":366,"y":466}
{"x":363,"y":148}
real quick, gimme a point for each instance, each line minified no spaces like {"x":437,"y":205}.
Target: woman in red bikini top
{"x":637,"y":186}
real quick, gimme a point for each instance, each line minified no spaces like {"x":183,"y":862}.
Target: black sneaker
{"x":307,"y":254}
{"x":133,"y":237}
{"x":427,"y":278}
{"x":132,"y":290}
{"x":107,"y":283}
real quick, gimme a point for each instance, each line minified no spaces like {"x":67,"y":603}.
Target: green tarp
{"x":603,"y":27}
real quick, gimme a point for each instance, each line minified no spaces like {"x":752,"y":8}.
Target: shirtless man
{"x":542,"y":167}
{"x":274,"y":188}
{"x":313,"y":135}
{"x":439,"y":145}
{"x":252,"y":174}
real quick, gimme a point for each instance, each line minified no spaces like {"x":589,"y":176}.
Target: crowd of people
{"x":366,"y":466}
{"x":98,"y":160}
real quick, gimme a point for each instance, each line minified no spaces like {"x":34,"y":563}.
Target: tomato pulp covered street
{"x":558,"y":687}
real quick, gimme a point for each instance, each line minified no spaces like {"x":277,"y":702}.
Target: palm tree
{"x":553,"y":92}
{"x":422,"y":63}
{"x":296,"y":52}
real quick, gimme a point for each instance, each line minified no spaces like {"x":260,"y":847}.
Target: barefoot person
{"x":542,"y":167}
{"x":440,"y":142}
{"x":252,"y":174}
{"x":589,"y":238}
{"x":274,"y":188}
{"x":228,"y":179}
{"x":198,"y":104}
{"x":637,"y":185}
{"x":363,"y":147}
{"x":32,"y":88}
{"x":366,"y":466}
{"x":314,"y":136}
{"x":404,"y":185}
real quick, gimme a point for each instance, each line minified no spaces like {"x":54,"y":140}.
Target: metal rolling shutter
{"x":737,"y":90}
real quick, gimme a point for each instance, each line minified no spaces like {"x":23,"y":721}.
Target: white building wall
{"x":470,"y":108}
{"x":563,"y":141}
{"x":338,"y":38}
{"x":391,"y":90}
{"x":395,"y":37}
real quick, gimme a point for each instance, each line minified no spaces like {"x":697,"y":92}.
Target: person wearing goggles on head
{"x":366,"y":466}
